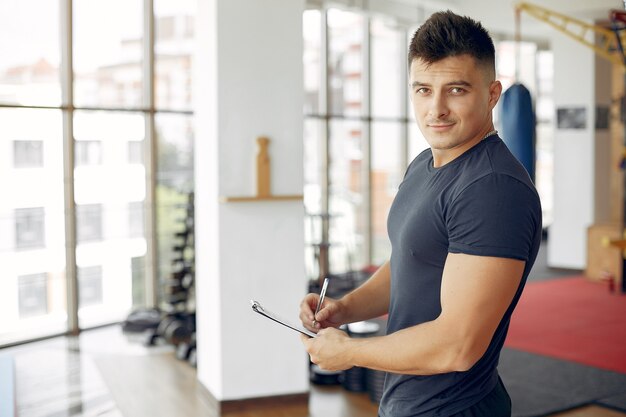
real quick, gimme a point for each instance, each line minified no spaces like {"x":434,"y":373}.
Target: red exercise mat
{"x":571,"y":319}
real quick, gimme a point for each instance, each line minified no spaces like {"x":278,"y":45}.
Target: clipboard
{"x":258,"y":308}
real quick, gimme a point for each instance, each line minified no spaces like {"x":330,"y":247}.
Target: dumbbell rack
{"x":178,"y":325}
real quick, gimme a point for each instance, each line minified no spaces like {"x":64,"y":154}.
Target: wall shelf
{"x":259,"y":198}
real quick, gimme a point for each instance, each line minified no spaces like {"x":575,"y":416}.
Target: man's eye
{"x":457,"y":90}
{"x":422,"y":91}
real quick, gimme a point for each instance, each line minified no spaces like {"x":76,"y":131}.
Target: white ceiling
{"x":498,"y":16}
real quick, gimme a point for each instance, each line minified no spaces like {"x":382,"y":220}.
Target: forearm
{"x":426,"y":349}
{"x":369,"y":300}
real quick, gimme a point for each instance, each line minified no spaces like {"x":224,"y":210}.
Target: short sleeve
{"x":496,"y":215}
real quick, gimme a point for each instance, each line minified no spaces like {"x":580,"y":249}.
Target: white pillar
{"x":248,"y":83}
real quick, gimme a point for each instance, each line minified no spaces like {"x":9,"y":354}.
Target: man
{"x":465,"y":228}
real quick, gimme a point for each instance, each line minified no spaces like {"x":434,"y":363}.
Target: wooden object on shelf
{"x":604,"y":260}
{"x":263,"y":168}
{"x":263,"y":179}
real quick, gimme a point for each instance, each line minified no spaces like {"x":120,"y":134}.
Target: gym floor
{"x":104,"y":373}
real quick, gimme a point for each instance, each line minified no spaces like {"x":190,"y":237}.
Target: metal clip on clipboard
{"x":258,"y":308}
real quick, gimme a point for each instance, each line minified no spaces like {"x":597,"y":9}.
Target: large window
{"x":356,"y":136}
{"x":125,"y":95}
{"x":33,"y":290}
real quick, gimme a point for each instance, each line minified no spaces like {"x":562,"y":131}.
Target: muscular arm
{"x":476,"y":291}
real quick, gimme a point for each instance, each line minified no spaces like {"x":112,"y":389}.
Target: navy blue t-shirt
{"x":481,"y":203}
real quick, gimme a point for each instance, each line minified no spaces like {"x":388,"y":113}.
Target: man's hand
{"x":330,"y":350}
{"x":330,"y":313}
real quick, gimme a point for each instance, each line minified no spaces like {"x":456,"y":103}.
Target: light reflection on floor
{"x":59,"y":378}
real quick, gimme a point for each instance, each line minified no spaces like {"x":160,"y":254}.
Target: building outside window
{"x":30,"y":228}
{"x":136,"y":219}
{"x":33,"y":295}
{"x":90,"y":285}
{"x":88,"y":222}
{"x":135,"y":152}
{"x":28,"y":154}
{"x":88,"y":152}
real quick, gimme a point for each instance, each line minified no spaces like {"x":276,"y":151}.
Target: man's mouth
{"x":440,"y":125}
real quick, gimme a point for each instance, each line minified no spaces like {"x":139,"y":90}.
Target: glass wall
{"x":32,"y":224}
{"x":356,"y":135}
{"x":131,"y":138}
{"x":32,"y":240}
{"x":106,"y":187}
{"x":108,"y":58}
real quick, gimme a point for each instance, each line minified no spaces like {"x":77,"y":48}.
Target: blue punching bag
{"x":518,"y":125}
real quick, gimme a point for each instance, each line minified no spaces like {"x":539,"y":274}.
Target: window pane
{"x":29,"y":228}
{"x":33,"y":295}
{"x":138,"y":266}
{"x":30,"y":51}
{"x":417,"y":142}
{"x":505,"y":64}
{"x":313,"y":165}
{"x":345,"y":62}
{"x":135,"y":152}
{"x":174,"y":185}
{"x":311,"y":27}
{"x":103,"y":193}
{"x":136,"y":220}
{"x":88,"y":222}
{"x":28,"y":154}
{"x":88,"y":152}
{"x":346,"y":195}
{"x":90,"y":285}
{"x":388,"y":69}
{"x":108,"y":53}
{"x":313,"y":174}
{"x":32,"y":225}
{"x":174,"y":44}
{"x":387,"y":173}
{"x":544,"y":169}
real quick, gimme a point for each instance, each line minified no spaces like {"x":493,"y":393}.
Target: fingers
{"x":324,"y":313}
{"x":307,"y":309}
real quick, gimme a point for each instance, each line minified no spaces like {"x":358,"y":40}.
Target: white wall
{"x":248,"y":83}
{"x":574,"y":155}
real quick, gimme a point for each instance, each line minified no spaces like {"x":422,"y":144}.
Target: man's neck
{"x":442,"y":157}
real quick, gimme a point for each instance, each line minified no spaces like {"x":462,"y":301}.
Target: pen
{"x":322,"y":295}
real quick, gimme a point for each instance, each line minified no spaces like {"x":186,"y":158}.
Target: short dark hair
{"x":446,"y":34}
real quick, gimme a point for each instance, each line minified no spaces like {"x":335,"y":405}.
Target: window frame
{"x":150,"y":110}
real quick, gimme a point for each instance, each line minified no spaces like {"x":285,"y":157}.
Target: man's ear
{"x":495,"y":90}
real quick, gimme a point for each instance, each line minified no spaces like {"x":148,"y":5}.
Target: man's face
{"x":452,"y":101}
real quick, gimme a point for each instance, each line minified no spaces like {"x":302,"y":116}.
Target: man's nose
{"x":438,"y":106}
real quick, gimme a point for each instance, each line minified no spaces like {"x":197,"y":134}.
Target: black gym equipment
{"x":175,"y":321}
